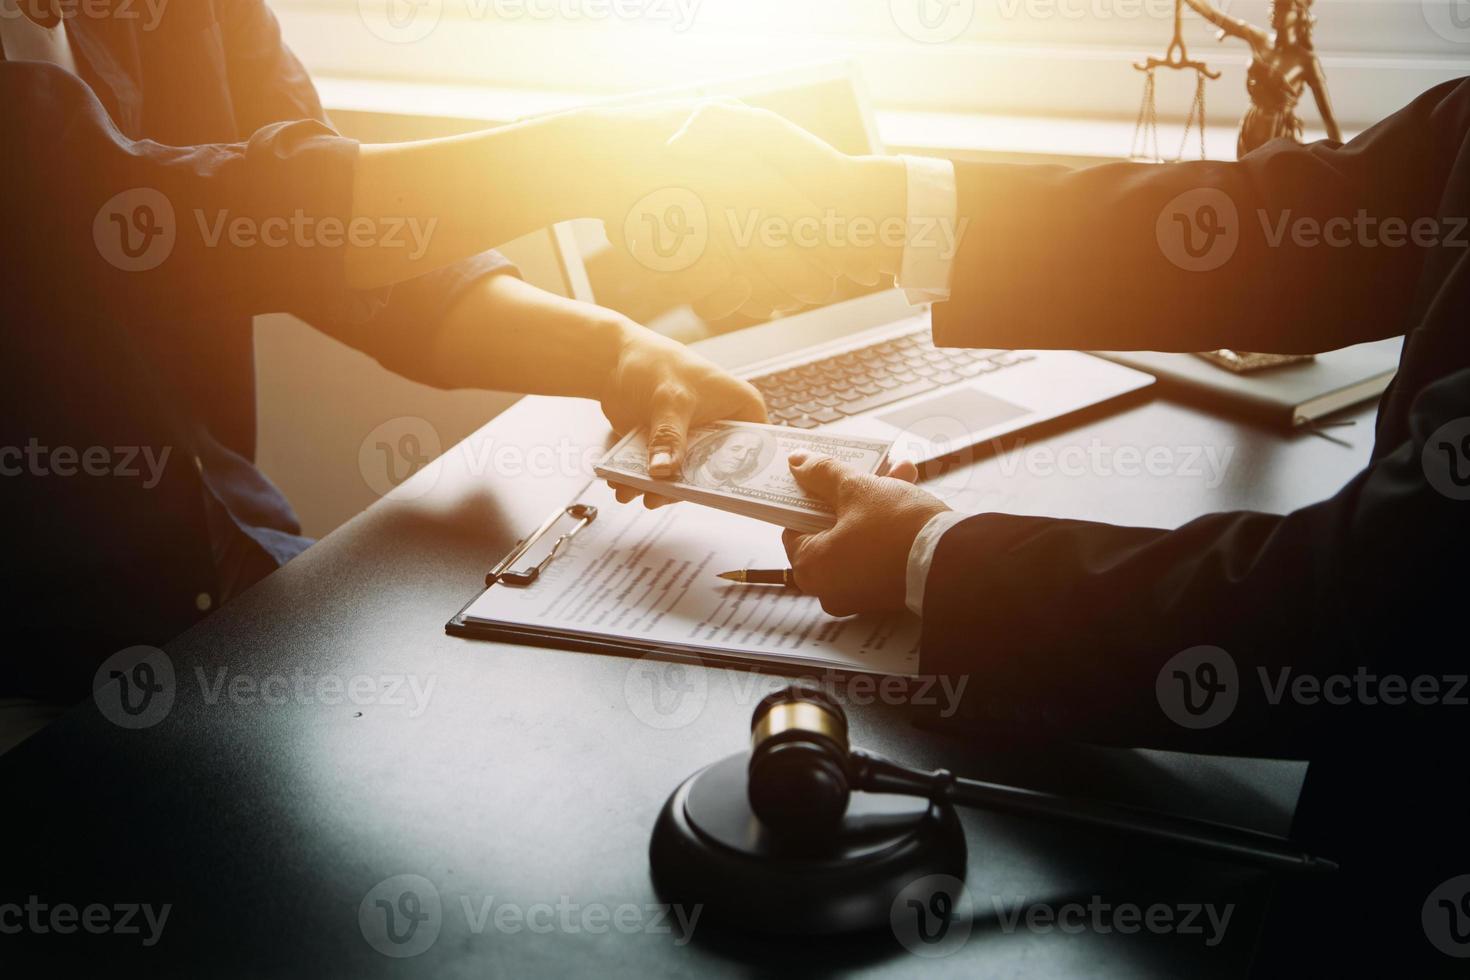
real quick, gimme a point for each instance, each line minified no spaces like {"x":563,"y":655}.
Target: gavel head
{"x":797,"y":780}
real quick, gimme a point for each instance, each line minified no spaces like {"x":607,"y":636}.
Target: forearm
{"x":1069,"y":623}
{"x":507,"y":335}
{"x":1290,"y":250}
{"x":1080,"y":630}
{"x":467,"y":194}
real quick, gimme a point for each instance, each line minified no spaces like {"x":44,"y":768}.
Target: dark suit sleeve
{"x":1071,"y":629}
{"x":1065,"y":626}
{"x":1096,"y":259}
{"x":268,"y":84}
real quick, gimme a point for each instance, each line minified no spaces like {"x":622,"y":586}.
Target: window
{"x":1025,"y":57}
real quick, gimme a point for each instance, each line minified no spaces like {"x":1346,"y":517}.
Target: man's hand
{"x":660,"y":383}
{"x":861,"y":564}
{"x":737,"y":209}
{"x":666,"y":208}
{"x":787,"y":209}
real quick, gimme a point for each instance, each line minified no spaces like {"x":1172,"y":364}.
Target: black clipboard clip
{"x":539,"y":548}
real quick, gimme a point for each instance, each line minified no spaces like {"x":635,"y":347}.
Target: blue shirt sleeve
{"x":268,"y":85}
{"x":150,"y":234}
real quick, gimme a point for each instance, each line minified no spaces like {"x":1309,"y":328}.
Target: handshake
{"x":735,"y":209}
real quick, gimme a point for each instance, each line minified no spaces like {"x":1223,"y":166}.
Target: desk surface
{"x":265,"y":816}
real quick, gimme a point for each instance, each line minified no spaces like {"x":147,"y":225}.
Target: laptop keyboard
{"x":861,"y":380}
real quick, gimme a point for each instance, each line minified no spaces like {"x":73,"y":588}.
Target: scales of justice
{"x":1283,"y":67}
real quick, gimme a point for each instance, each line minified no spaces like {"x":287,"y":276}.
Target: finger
{"x":820,"y":476}
{"x":699,"y":128}
{"x":717,"y":130}
{"x":624,"y":495}
{"x":653,"y":501}
{"x":781,"y":234}
{"x":796,"y":276}
{"x":752,"y":406}
{"x":645,"y":251}
{"x":726,"y":397}
{"x":766,"y":298}
{"x":788,"y":259}
{"x":795,"y":542}
{"x":724,"y":300}
{"x":709,"y":130}
{"x":904,"y":470}
{"x":762,"y":304}
{"x":670,"y":427}
{"x":763,"y":298}
{"x":864,"y":271}
{"x":709,"y":275}
{"x":800,"y":553}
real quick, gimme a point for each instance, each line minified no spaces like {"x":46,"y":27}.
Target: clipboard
{"x":539,"y":550}
{"x":522,"y":567}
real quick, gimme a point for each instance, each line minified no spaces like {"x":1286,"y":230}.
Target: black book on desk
{"x":1290,"y":395}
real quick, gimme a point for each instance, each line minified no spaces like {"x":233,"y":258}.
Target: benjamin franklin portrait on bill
{"x":727,"y":459}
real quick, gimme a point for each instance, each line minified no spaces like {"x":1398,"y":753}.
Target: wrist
{"x":592,"y":348}
{"x":577,"y":130}
{"x":877,"y":186}
{"x":612,"y":339}
{"x":606,"y":159}
{"x":505,"y":334}
{"x":575,"y":146}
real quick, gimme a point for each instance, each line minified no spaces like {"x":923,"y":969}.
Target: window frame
{"x":1028,"y":63}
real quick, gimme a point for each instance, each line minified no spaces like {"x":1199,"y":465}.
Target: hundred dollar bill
{"x":741,"y":467}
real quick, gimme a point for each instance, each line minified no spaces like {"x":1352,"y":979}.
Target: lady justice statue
{"x":1283,"y":64}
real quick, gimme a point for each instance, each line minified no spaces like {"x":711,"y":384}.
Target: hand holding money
{"x":861,"y":563}
{"x":741,"y":467}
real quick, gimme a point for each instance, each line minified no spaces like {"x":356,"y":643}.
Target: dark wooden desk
{"x":528,"y":777}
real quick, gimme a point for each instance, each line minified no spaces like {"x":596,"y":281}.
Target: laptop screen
{"x":828,"y":106}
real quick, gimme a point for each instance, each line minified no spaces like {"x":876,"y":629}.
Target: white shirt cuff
{"x":933,"y":230}
{"x":921,"y":556}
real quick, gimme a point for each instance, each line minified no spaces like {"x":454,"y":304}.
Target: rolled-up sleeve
{"x":396,"y":331}
{"x":157,"y":235}
{"x":153,"y":234}
{"x":268,"y":84}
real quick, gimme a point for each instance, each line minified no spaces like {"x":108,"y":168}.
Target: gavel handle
{"x":1234,"y":844}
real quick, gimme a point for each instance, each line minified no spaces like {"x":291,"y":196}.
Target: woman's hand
{"x":507,"y":335}
{"x":660,"y":383}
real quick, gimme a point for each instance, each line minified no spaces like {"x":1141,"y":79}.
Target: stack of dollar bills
{"x":741,"y":467}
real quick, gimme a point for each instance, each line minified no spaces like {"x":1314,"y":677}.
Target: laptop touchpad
{"x":973,"y":410}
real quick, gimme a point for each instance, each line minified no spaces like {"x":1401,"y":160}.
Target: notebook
{"x":1291,"y":395}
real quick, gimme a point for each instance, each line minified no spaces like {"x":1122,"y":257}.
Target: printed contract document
{"x":650,"y":577}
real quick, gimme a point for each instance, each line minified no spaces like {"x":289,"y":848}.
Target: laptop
{"x":863,"y":363}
